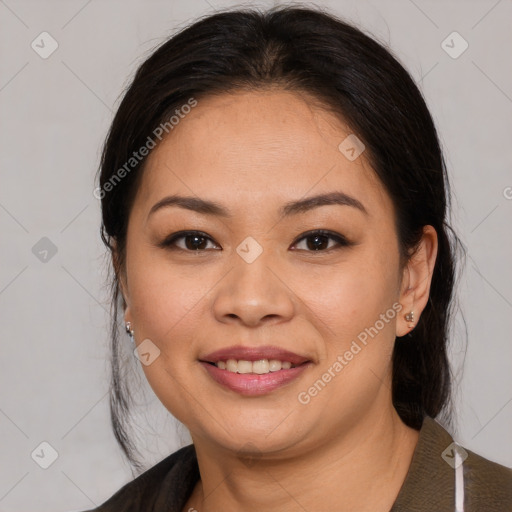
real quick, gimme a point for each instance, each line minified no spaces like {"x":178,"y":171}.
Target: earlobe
{"x":407,"y":318}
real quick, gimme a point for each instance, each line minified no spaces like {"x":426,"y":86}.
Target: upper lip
{"x":253,"y":354}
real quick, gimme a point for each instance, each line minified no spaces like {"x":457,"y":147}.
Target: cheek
{"x":353,"y":311}
{"x":166,"y":300}
{"x":350,"y":296}
{"x":168,"y":309}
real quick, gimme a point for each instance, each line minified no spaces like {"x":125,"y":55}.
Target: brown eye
{"x":318,"y":241}
{"x":193,"y":241}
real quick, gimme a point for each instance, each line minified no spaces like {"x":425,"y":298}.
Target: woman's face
{"x":251,"y":279}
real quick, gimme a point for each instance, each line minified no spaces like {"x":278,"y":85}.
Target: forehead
{"x":264,"y":146}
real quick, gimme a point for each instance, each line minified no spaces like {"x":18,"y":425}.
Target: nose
{"x":253,"y":294}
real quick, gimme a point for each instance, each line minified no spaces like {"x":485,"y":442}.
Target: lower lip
{"x":252,"y":384}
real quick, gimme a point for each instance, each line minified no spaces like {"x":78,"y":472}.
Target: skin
{"x":347,"y":449}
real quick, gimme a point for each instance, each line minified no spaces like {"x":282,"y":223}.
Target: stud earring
{"x":130,"y":331}
{"x":409,"y":317}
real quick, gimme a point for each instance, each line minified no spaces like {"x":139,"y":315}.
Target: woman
{"x":275,"y":200}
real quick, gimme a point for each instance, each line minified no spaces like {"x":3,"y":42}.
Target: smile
{"x":254,"y":371}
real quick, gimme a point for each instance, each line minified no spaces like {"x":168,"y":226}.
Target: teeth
{"x":244,"y":366}
{"x":274,"y":365}
{"x":259,"y":367}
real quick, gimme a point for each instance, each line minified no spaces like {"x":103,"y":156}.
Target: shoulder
{"x":441,"y":468}
{"x":164,"y":486}
{"x":488,"y":484}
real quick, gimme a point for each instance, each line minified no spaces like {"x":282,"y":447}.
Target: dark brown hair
{"x":311,"y":51}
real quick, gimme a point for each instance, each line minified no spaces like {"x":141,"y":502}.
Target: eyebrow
{"x":207,"y":207}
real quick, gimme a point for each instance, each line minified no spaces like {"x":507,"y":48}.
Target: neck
{"x":363,"y":470}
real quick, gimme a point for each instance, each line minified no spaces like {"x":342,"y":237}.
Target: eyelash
{"x":169,"y":242}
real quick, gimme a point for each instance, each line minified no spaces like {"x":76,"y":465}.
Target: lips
{"x":253,"y":354}
{"x":254,"y":384}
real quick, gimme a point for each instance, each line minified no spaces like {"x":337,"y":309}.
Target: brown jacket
{"x":428,"y":487}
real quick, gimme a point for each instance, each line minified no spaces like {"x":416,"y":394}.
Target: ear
{"x":121,"y":279}
{"x":416,"y":280}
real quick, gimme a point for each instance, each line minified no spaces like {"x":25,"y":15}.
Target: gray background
{"x":54,"y":313}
